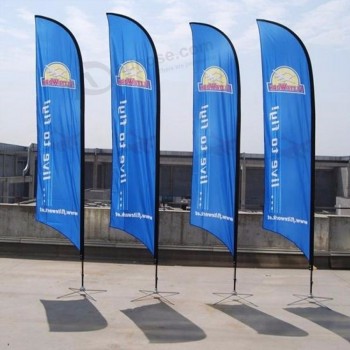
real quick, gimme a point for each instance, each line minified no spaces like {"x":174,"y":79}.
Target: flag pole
{"x":312,"y":199}
{"x":81,"y":148}
{"x":237,"y":177}
{"x":312,"y":179}
{"x":83,"y":290}
{"x":82,"y":172}
{"x":312,"y":175}
{"x":157,"y":165}
{"x":82,"y":161}
{"x":234,"y":275}
{"x":236,"y":197}
{"x":156,"y":189}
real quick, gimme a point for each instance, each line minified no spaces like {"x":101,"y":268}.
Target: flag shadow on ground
{"x":162,"y":324}
{"x":260,"y":321}
{"x":73,"y":316}
{"x":326,"y":318}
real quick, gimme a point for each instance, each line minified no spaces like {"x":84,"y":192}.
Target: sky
{"x":322,"y":25}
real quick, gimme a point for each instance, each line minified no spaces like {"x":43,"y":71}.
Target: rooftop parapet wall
{"x":332,"y":233}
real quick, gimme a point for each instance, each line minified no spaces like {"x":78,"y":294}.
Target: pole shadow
{"x":73,"y":316}
{"x":261,"y":322}
{"x":326,"y":318}
{"x":162,"y":324}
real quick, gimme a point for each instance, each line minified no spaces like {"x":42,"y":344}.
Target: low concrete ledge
{"x":179,"y":243}
{"x":340,"y":260}
{"x":170,"y":255}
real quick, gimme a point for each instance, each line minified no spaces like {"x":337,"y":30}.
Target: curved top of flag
{"x":289,"y":129}
{"x":216,"y":134}
{"x":135,"y":124}
{"x":60,"y":130}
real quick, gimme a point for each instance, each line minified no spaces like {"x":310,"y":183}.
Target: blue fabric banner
{"x":135,"y":125}
{"x":216,"y":126}
{"x":59,"y":89}
{"x":288,"y":135}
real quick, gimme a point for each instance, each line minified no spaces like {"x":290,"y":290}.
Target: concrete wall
{"x":343,"y":206}
{"x":339,"y":229}
{"x":332,"y":234}
{"x":343,"y":181}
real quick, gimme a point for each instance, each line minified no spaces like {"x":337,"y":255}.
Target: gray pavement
{"x":32,"y":316}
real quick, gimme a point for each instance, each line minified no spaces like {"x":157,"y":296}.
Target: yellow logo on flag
{"x":215,"y":79}
{"x":285,"y":79}
{"x":133,"y":74}
{"x":57,"y":74}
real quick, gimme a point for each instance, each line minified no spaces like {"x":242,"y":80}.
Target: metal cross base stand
{"x":310,"y":298}
{"x":156,"y":295}
{"x":82,"y":291}
{"x":238,"y":297}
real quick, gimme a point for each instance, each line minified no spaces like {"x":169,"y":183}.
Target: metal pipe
{"x":26,"y":169}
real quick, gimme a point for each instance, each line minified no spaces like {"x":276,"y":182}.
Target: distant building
{"x":18,"y":178}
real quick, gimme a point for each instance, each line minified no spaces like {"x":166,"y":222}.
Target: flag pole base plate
{"x":310,"y":298}
{"x":82,"y":291}
{"x":234,"y":297}
{"x":155,"y":294}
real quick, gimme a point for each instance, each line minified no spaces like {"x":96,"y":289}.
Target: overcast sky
{"x":323,"y":26}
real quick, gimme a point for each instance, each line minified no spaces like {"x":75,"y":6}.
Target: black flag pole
{"x":310,"y":297}
{"x":79,"y":118}
{"x":312,"y":180}
{"x":156,"y":194}
{"x":234,"y":293}
{"x":156,"y":189}
{"x":238,"y":168}
{"x":82,"y":172}
{"x":82,"y":290}
{"x":237,"y":177}
{"x":155,"y":293}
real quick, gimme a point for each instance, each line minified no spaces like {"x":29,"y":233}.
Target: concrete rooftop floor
{"x":37,"y":314}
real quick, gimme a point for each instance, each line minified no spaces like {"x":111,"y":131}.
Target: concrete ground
{"x":36,"y":313}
